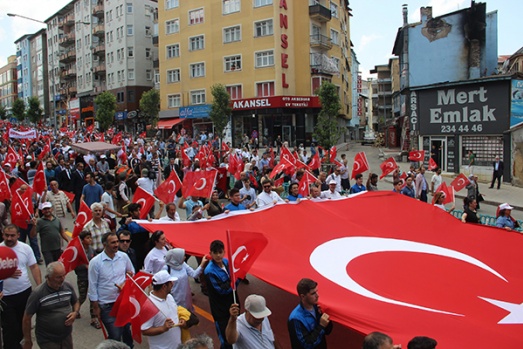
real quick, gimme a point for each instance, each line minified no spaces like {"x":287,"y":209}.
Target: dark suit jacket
{"x":78,"y":182}
{"x":499,"y":172}
{"x":66,"y":183}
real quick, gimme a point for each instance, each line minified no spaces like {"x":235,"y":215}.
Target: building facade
{"x":40,"y":80}
{"x":256,"y":49}
{"x":8,"y":84}
{"x":23,"y":67}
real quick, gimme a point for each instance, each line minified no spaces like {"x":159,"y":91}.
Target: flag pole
{"x":231,"y":275}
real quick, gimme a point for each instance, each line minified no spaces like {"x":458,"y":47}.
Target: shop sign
{"x":277,"y":102}
{"x":195,"y":111}
{"x":74,"y":108}
{"x":284,"y":43}
{"x":120,"y":115}
{"x":516,"y":107}
{"x":465,"y":109}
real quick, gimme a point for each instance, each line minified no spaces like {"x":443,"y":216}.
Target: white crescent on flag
{"x":145,"y":278}
{"x":461,"y":182}
{"x":332,"y":257}
{"x":83,"y":220}
{"x":75,"y":253}
{"x":11,"y":157}
{"x":173,"y":190}
{"x":204,"y":183}
{"x":136,"y":305}
{"x":141,"y":202}
{"x":358,"y":166}
{"x":18,"y":209}
{"x":238,"y":250}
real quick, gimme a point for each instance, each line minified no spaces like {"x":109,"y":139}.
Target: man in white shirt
{"x":335,"y":176}
{"x":436,"y":180}
{"x":332,"y":193}
{"x":171,"y":213}
{"x":267,"y":196}
{"x":163,"y":329}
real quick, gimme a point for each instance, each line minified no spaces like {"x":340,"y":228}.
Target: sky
{"x":373,"y":26}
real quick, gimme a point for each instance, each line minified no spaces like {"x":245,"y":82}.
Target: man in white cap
{"x":163,"y":329}
{"x":51,"y":232}
{"x":251,"y":329}
{"x":103,"y":167}
{"x":332,"y":193}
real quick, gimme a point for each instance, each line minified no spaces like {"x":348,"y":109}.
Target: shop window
{"x":486,"y":148}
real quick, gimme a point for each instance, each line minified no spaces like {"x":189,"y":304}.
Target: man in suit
{"x":78,"y":181}
{"x":497,"y":172}
{"x":65,"y":178}
{"x":170,"y":167}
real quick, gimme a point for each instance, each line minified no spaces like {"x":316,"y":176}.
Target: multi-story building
{"x":101,"y":46}
{"x":356,"y":129}
{"x":272,"y":56}
{"x":23,"y":67}
{"x":382,"y":96}
{"x":40,"y":80}
{"x":8,"y":84}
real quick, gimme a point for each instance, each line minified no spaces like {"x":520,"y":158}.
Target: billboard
{"x":516,"y":103}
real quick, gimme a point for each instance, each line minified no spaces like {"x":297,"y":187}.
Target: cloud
{"x":367,"y":39}
{"x":439,"y":7}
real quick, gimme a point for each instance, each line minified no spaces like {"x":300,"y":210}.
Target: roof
{"x":94,"y":147}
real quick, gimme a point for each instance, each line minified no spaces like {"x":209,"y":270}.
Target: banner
{"x":459,"y":283}
{"x":22,"y":134}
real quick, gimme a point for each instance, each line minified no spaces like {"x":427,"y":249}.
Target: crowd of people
{"x":116,"y":245}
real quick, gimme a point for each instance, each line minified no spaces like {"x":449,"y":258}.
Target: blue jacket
{"x":220,"y":290}
{"x":305,"y":330}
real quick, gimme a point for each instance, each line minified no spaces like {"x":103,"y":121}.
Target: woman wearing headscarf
{"x":176,"y":266}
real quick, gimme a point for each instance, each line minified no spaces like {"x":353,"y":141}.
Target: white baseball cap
{"x":332,"y":181}
{"x":505,"y":206}
{"x":163,"y":277}
{"x":46,"y":204}
{"x":255,"y":305}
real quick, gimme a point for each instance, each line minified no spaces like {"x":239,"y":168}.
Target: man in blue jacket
{"x":307,"y":324}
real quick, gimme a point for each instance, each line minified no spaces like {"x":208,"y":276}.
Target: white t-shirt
{"x":155,"y":260}
{"x":171,"y":338}
{"x":265,"y":199}
{"x":437,"y":180}
{"x":327,"y":194}
{"x":26,"y":258}
{"x":146,"y":184}
{"x":107,"y":200}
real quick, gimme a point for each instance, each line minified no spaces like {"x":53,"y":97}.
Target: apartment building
{"x":23,"y":67}
{"x":8,"y":84}
{"x":39,"y":77}
{"x":100,"y":46}
{"x":271,"y":55}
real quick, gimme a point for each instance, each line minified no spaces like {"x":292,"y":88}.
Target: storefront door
{"x":438,"y":151}
{"x":287,"y":135}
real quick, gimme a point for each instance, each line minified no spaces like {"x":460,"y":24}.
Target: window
{"x":232,"y":34}
{"x":197,"y":70}
{"x":169,"y":4}
{"x":173,"y":76}
{"x":130,"y":74}
{"x":335,"y":37}
{"x":198,"y":97}
{"x":264,"y":59}
{"x":149,"y":74}
{"x":173,"y":51}
{"x":233,"y":63}
{"x":119,"y":74}
{"x":265,"y":89}
{"x":334,"y":10}
{"x":230,"y":6}
{"x":235,"y":91}
{"x":119,"y":97}
{"x":130,"y":52}
{"x":258,"y":3}
{"x":172,"y":26}
{"x":263,"y":28}
{"x":336,"y":62}
{"x":196,"y":16}
{"x":148,"y":54}
{"x":130,"y":30}
{"x":130,"y":96}
{"x":173,"y":101}
{"x":148,"y":31}
{"x":196,"y":43}
{"x":129,"y":7}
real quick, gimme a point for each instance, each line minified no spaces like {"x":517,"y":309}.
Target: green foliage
{"x":3,"y":112}
{"x":326,"y":131}
{"x":150,"y":106}
{"x":19,"y":109}
{"x":105,"y":109}
{"x":34,"y":111}
{"x":220,"y":109}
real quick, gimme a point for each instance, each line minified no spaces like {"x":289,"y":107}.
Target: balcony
{"x":99,"y":50}
{"x":320,"y":13}
{"x":321,"y":41}
{"x":69,"y":20}
{"x":99,"y":30}
{"x":98,"y":11}
{"x":72,"y":90}
{"x":321,"y":64}
{"x":156,"y":63}
{"x":67,"y":39}
{"x":67,"y":57}
{"x":155,"y":40}
{"x":99,"y":69}
{"x":99,"y":89}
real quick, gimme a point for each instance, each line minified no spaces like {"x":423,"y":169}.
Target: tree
{"x":105,"y":109}
{"x":34,"y":112}
{"x":150,"y":106}
{"x":326,"y":130}
{"x":3,"y":112}
{"x":19,"y":109}
{"x":220,"y":110}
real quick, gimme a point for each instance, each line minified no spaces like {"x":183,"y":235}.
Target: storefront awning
{"x":167,"y":124}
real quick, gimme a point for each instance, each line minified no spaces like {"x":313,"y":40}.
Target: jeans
{"x":33,"y":242}
{"x":122,"y":334}
{"x":12,"y":314}
{"x":51,"y":256}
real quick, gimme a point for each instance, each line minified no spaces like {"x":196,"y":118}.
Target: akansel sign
{"x":465,"y":109}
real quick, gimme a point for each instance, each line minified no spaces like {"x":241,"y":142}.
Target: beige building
{"x":8,"y":84}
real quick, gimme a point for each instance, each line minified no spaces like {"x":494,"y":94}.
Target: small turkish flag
{"x":360,"y":164}
{"x":69,"y":195}
{"x":314,"y":164}
{"x":449,"y":193}
{"x":19,"y":212}
{"x":225,"y":147}
{"x":221,"y":179}
{"x":242,"y":249}
{"x":199,"y":183}
{"x":145,"y":199}
{"x":403,"y":177}
{"x":279,"y":182}
{"x":84,"y":215}
{"x":417,"y":155}
{"x":253,"y":180}
{"x":388,"y":166}
{"x":11,"y":157}
{"x":5,"y":193}
{"x":168,"y":189}
{"x":39,"y":181}
{"x":143,"y":279}
{"x":432,"y":164}
{"x":283,"y":165}
{"x":45,"y":150}
{"x":460,"y":182}
{"x":287,"y":155}
{"x":74,"y":255}
{"x":305,"y":182}
{"x":143,"y":134}
{"x":17,"y":184}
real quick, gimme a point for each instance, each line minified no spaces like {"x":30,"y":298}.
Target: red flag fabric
{"x":18,"y":183}
{"x":145,"y":199}
{"x":315,"y":164}
{"x":45,"y":150}
{"x":74,"y":255}
{"x":360,"y":164}
{"x":102,"y":137}
{"x":27,"y":198}
{"x":449,"y":193}
{"x":117,"y":138}
{"x":305,"y":182}
{"x":39,"y":181}
{"x":221,"y":179}
{"x":143,"y":279}
{"x":185,"y":158}
{"x":460,"y":182}
{"x":470,"y":293}
{"x":11,"y":157}
{"x":287,"y":155}
{"x":122,"y":155}
{"x":84,"y":215}
{"x":5,"y":192}
{"x":417,"y":155}
{"x":168,"y":189}
{"x":279,"y":168}
{"x":333,"y":153}
{"x":143,"y":134}
{"x":243,"y":248}
{"x":199,"y":183}
{"x":69,"y":195}
{"x":432,"y":164}
{"x":403,"y":177}
{"x":253,"y":180}
{"x":225,"y":147}
{"x":388,"y":166}
{"x":279,"y":182}
{"x":19,"y":212}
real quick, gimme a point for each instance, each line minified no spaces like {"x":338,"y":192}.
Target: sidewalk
{"x":508,"y":193}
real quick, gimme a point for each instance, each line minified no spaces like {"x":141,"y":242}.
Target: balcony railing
{"x":322,"y":64}
{"x":67,"y":39}
{"x":321,"y":41}
{"x":99,"y":29}
{"x":320,"y":13}
{"x":100,"y":68}
{"x":98,"y":10}
{"x":99,"y":49}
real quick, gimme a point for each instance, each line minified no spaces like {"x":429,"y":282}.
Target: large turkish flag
{"x":459,"y":283}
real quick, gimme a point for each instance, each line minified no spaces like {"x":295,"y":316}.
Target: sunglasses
{"x":125,"y":241}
